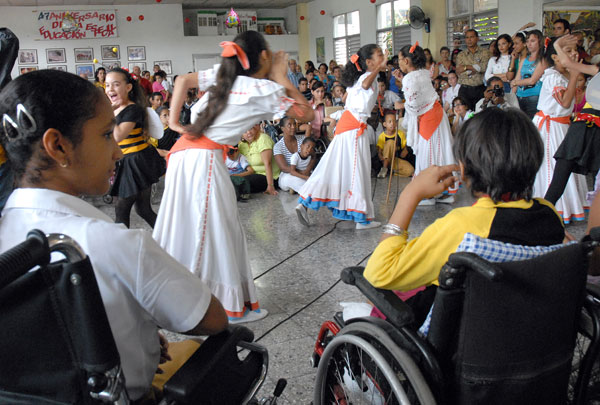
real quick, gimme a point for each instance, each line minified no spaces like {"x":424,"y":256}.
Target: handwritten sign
{"x":83,"y":24}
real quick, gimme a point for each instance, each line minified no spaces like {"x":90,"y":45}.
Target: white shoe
{"x":382,"y":173}
{"x":302,"y":213}
{"x":427,"y":202}
{"x":250,"y":316}
{"x":372,"y":224}
{"x":445,"y":199}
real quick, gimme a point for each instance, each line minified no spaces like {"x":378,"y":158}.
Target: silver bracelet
{"x":393,"y":229}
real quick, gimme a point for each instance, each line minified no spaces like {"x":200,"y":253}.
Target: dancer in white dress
{"x":198,"y":221}
{"x":427,"y":128}
{"x":342,"y":179}
{"x":553,"y":120}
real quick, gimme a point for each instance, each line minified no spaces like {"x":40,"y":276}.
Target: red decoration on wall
{"x":302,"y":18}
{"x":322,"y":12}
{"x":128,"y":18}
{"x":253,"y":18}
{"x":158,"y":1}
{"x":141,"y":17}
{"x":372,"y":1}
{"x":187,"y":20}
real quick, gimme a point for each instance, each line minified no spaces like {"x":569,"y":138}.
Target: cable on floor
{"x":307,"y":305}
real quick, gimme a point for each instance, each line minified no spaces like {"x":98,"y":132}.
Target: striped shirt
{"x":281,"y":149}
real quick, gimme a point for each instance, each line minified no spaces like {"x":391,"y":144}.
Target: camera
{"x":498,"y":91}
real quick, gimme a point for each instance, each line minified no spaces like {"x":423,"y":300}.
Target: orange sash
{"x":187,"y":142}
{"x":430,"y":121}
{"x":546,"y":118}
{"x":348,"y":122}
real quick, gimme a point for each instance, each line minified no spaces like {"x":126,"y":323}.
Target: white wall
{"x":161,"y":33}
{"x":513,"y":14}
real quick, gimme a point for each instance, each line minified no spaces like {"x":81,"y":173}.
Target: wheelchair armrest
{"x":593,"y":290}
{"x":397,"y":312}
{"x":213,"y":351}
{"x":15,"y":262}
{"x":470,"y":261}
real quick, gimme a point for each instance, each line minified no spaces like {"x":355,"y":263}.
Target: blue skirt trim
{"x":344,"y":215}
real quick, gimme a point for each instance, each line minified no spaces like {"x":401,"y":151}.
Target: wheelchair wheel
{"x":582,"y":343}
{"x":363,"y":365}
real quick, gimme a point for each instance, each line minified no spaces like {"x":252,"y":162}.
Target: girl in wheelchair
{"x":58,"y":135}
{"x":499,"y":153}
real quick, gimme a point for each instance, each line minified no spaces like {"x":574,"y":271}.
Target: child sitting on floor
{"x":499,"y":153}
{"x":405,"y":159}
{"x":302,"y":162}
{"x":156,"y":100}
{"x":238,"y":169}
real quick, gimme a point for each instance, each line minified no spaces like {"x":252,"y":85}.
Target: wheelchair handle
{"x":35,"y":251}
{"x":473,"y":262}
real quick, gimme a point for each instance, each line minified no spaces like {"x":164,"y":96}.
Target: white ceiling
{"x":185,"y":3}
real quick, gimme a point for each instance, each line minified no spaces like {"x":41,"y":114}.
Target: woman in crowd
{"x":519,"y":52}
{"x":430,"y":64}
{"x":257,"y":148}
{"x":315,"y":127}
{"x":100,"y":78}
{"x":324,"y":77}
{"x":500,"y":61}
{"x":528,"y":82}
{"x":283,"y":151}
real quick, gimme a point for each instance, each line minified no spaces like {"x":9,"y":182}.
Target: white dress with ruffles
{"x":420,"y":97}
{"x":198,"y":221}
{"x":573,"y":203}
{"x":342,"y":179}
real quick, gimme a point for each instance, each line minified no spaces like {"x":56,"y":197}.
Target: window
{"x":481,"y":15}
{"x":346,"y":36}
{"x":393,"y":29}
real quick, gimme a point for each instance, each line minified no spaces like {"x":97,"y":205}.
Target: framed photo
{"x":110,"y":52}
{"x":131,"y":65}
{"x":111,"y":65}
{"x":84,"y":55}
{"x":62,"y":68}
{"x":56,"y":55}
{"x":164,"y":65}
{"x":27,"y":69}
{"x":136,"y":53}
{"x":87,"y":70}
{"x":28,"y":56}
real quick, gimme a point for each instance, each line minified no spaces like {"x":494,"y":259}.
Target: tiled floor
{"x":294,"y":265}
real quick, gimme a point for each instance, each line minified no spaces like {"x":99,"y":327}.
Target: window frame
{"x":392,"y":32}
{"x":470,"y":17}
{"x":347,"y":38}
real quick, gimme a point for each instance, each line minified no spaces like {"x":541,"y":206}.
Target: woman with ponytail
{"x":342,"y":179}
{"x":427,"y":128}
{"x":141,"y":165}
{"x":198,"y":221}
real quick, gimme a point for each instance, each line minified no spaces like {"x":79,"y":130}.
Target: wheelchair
{"x":522,"y":332}
{"x":58,"y":346}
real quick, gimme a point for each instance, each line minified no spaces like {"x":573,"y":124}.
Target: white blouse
{"x":360,"y":102}
{"x":496,"y":67}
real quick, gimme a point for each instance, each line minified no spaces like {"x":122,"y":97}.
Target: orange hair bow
{"x":232,"y":49}
{"x":354,"y":59}
{"x":547,"y":42}
{"x":412,"y":48}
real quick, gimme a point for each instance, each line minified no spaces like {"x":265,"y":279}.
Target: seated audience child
{"x":499,"y":153}
{"x":186,"y":111}
{"x":386,"y":99}
{"x":461,"y":113}
{"x":339,"y":95}
{"x":61,"y":148}
{"x":156,"y":100}
{"x":160,"y":78}
{"x":239,"y":168}
{"x":302,"y":162}
{"x":303,"y":87}
{"x":404,"y":163}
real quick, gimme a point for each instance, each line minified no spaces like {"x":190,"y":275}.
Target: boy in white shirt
{"x":386,"y":99}
{"x":239,"y":168}
{"x":302,"y":162}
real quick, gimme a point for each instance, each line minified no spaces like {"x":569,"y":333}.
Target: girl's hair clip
{"x":354,"y":59}
{"x":412,"y":48}
{"x":24,"y":121}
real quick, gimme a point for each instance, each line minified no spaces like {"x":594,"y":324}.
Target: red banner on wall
{"x":83,"y":24}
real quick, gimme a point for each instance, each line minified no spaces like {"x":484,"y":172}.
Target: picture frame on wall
{"x":136,"y":53}
{"x":131,"y":65}
{"x":62,"y":68}
{"x":165,"y":65}
{"x":28,"y":56}
{"x":84,"y":55}
{"x":56,"y":55}
{"x":111,"y":65}
{"x":108,"y":52}
{"x":88,"y":70}
{"x":27,"y":69}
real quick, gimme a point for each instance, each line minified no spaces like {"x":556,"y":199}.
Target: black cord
{"x":307,"y":305}
{"x":300,"y":251}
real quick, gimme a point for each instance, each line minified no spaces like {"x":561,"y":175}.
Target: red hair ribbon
{"x":547,"y":42}
{"x":354,"y":59}
{"x":412,"y":48}
{"x":232,"y":49}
